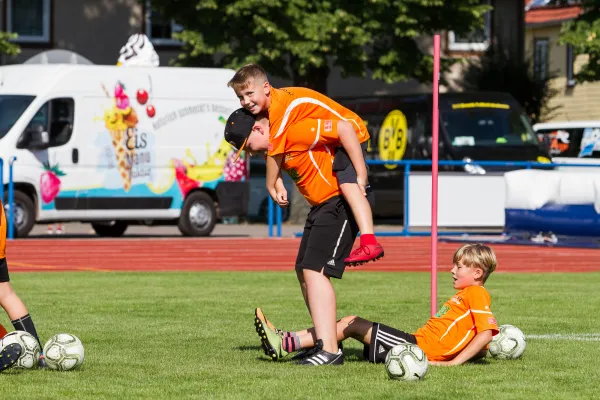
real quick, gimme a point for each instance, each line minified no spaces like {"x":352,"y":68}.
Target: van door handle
{"x":75,"y":156}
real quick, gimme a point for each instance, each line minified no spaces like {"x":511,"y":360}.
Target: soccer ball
{"x":406,"y":362}
{"x":30,"y":355}
{"x":508,"y":344}
{"x":63,"y":352}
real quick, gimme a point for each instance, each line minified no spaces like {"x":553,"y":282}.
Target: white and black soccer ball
{"x":508,"y":344}
{"x":63,"y":352}
{"x":30,"y":355}
{"x":406,"y":362}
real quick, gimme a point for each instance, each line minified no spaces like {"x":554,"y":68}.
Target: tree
{"x":583,"y":33}
{"x":495,"y":71}
{"x":300,"y":39}
{"x":6,"y":46}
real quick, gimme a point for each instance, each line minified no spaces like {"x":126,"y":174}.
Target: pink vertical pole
{"x":434,"y":172}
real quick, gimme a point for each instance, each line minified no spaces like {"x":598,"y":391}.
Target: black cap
{"x":237,"y":129}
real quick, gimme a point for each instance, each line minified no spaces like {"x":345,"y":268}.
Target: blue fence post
{"x":405,"y":231}
{"x":270,"y":216}
{"x":11,"y":208}
{"x":278,"y":213}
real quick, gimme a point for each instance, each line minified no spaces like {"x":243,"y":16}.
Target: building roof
{"x":550,"y":14}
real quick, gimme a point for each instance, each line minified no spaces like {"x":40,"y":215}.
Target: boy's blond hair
{"x":244,"y":75}
{"x":476,"y":256}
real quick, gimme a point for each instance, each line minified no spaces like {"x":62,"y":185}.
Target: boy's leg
{"x":323,"y":306}
{"x":361,"y":206}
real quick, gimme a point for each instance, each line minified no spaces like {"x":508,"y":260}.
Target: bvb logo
{"x":392,"y":138}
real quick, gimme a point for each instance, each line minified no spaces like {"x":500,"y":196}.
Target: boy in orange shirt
{"x":12,"y":304}
{"x":330,"y":228}
{"x":284,"y":107}
{"x":460,"y":331}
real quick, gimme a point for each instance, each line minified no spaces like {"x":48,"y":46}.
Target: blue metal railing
{"x":9,"y":204}
{"x":407,"y":169}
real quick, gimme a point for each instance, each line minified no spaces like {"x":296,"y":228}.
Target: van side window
{"x":56,"y":116}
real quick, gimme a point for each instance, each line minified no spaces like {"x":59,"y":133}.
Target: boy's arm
{"x":473,"y":349}
{"x":349,"y":140}
{"x":274,"y":180}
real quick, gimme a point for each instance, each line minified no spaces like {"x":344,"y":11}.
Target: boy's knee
{"x":349,"y":319}
{"x":5,"y":289}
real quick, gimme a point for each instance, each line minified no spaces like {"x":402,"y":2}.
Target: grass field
{"x":191,"y":336}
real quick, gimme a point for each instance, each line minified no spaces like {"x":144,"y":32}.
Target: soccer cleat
{"x":322,"y":357}
{"x":364,"y":254}
{"x":9,"y":355}
{"x":260,"y":317}
{"x":310,"y":351}
{"x":271,"y":342}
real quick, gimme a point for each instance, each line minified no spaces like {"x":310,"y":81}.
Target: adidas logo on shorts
{"x":381,"y":349}
{"x":331,"y":262}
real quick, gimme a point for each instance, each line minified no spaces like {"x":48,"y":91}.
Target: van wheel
{"x":198,"y":216}
{"x":109,"y":229}
{"x":24,"y":213}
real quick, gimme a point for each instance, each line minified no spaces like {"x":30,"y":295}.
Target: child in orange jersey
{"x":330,"y":228}
{"x":12,"y":304}
{"x":284,"y":107}
{"x":460,"y":331}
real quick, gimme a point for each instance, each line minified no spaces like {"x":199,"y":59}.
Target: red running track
{"x":264,"y":254}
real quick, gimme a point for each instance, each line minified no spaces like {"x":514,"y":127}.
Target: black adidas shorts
{"x":383,"y":338}
{"x":327,"y":239}
{"x":4,"y":271}
{"x":342,"y":165}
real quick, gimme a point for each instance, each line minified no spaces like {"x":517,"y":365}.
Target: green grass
{"x":191,"y":336}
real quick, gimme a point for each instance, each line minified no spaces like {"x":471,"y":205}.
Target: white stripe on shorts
{"x":339,"y":238}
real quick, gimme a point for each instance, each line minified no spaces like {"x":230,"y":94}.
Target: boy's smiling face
{"x":254,"y":97}
{"x":464,"y":276}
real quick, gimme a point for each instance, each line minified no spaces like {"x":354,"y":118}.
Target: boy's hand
{"x":362,"y":184}
{"x":282,"y":199}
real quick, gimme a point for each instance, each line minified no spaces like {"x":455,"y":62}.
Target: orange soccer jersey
{"x":291,"y":105}
{"x":308,"y":159}
{"x":461,"y":318}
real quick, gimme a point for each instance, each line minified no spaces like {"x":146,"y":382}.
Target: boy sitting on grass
{"x":459,"y":332}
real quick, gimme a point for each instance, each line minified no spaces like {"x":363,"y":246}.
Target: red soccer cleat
{"x":364,"y":254}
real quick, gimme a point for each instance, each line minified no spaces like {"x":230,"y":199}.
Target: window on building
{"x":570,"y":66}
{"x":477,"y":40}
{"x":30,"y":19}
{"x":160,"y":31}
{"x":540,"y":59}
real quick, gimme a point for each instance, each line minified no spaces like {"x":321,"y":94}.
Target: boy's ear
{"x":478,"y":273}
{"x":267,"y":88}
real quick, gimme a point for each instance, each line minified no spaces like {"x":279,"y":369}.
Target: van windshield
{"x":11,"y":108}
{"x":488,"y":127}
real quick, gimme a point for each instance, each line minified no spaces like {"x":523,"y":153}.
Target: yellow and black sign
{"x":478,"y":104}
{"x":392,"y":138}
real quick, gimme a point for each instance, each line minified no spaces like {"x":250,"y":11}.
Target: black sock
{"x":25,"y":323}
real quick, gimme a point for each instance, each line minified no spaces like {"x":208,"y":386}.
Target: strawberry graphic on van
{"x":185,"y":183}
{"x":50,"y":182}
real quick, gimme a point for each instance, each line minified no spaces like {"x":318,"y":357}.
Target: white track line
{"x":590,"y":337}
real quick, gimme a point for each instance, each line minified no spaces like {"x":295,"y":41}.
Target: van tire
{"x":25,"y":206}
{"x":198,"y":215}
{"x":114,"y":229}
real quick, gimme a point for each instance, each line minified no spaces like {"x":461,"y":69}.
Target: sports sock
{"x":291,"y":343}
{"x":25,"y":323}
{"x":368,"y":239}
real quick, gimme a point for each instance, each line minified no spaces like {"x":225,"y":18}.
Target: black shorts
{"x":343,"y":167}
{"x":327,"y":239}
{"x":383,"y":338}
{"x":4,"y":271}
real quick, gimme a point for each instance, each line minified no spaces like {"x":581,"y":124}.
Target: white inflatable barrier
{"x":562,"y":201}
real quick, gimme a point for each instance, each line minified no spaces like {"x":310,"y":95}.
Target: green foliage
{"x":298,"y":39}
{"x":583,"y":33}
{"x":6,"y":46}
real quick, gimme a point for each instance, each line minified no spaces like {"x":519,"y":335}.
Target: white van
{"x":116,"y":146}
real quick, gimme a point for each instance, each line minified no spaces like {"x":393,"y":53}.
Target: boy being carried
{"x":459,"y":332}
{"x":287,"y":106}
